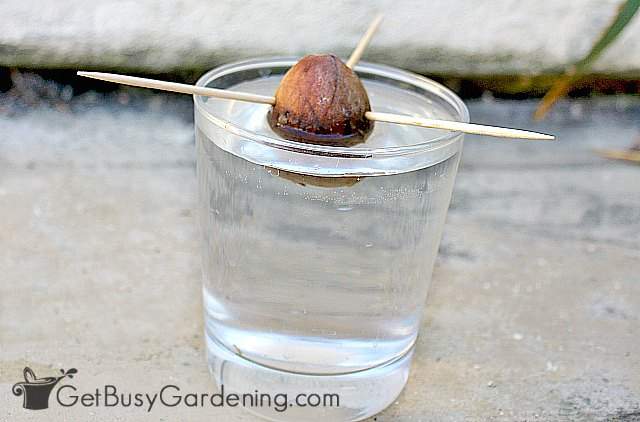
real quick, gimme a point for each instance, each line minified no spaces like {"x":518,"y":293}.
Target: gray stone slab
{"x":533,"y":312}
{"x":461,"y":37}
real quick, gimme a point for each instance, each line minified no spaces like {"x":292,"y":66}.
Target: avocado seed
{"x":319,"y":181}
{"x":320,"y":100}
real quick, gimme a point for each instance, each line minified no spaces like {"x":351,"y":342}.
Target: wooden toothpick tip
{"x":472,"y":128}
{"x":263,"y":99}
{"x":178,"y":87}
{"x":364,"y":42}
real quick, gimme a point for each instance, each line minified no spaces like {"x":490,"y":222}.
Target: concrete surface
{"x":534,"y":314}
{"x":463,"y":37}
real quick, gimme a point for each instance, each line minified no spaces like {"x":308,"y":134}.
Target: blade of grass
{"x":560,"y":88}
{"x":625,"y":155}
{"x":632,"y":154}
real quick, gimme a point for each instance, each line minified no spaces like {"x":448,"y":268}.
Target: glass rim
{"x":390,"y":72}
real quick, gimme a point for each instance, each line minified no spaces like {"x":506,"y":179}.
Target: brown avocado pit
{"x":322,"y":101}
{"x":318,"y":181}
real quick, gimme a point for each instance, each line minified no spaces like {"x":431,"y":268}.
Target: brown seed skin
{"x":318,"y":181}
{"x":320,"y":100}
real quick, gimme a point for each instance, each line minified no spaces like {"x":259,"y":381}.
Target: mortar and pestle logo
{"x":37,"y":390}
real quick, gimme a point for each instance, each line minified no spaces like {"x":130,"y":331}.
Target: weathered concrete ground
{"x":462,"y":37}
{"x":534,"y":312}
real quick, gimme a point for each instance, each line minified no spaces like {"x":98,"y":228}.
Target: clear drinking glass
{"x":317,"y":259}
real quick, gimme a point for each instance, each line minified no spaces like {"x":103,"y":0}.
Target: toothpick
{"x":263,"y":99}
{"x":499,"y":132}
{"x":364,"y":42}
{"x":180,"y":88}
